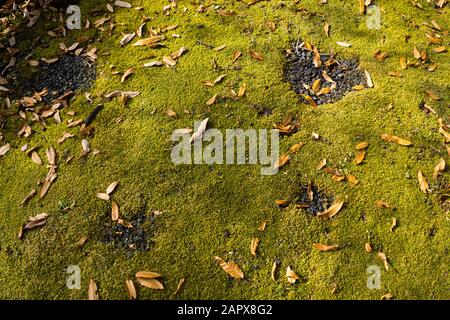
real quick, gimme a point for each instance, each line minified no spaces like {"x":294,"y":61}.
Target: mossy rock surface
{"x":214,"y":210}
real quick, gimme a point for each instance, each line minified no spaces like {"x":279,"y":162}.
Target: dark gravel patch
{"x":319,"y":202}
{"x":300,"y":71}
{"x":131,"y":238}
{"x":69,"y":73}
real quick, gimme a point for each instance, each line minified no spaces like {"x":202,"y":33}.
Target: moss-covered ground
{"x":198,"y":203}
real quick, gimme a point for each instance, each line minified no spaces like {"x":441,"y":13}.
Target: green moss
{"x":198,"y":203}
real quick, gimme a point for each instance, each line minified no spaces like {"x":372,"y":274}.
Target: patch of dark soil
{"x":301,"y":73}
{"x":69,"y":73}
{"x":131,"y":236}
{"x":313,"y":200}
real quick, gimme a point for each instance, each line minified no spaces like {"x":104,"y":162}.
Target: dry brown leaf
{"x":103,"y":196}
{"x":254,"y":246}
{"x":292,"y":277}
{"x":262,"y":226}
{"x":321,"y":164}
{"x":33,"y":222}
{"x":149,"y":41}
{"x":147,"y":275}
{"x":281,"y":202}
{"x":433,"y":95}
{"x":369,"y":81}
{"x":352,"y":179}
{"x":111,"y":187}
{"x":360,"y":157}
{"x":179,"y":286}
{"x":178,"y":53}
{"x":316,"y":85}
{"x":331,"y":211}
{"x":255,"y":55}
{"x":150,"y":283}
{"x":212,"y":100}
{"x":416,"y":53}
{"x":281,"y":161}
{"x":316,"y":59}
{"x":4,"y":149}
{"x":324,"y":247}
{"x":242,"y":90}
{"x":231,"y":268}
{"x":220,"y":78}
{"x":398,"y":140}
{"x":171,"y":113}
{"x":383,"y":258}
{"x":28,"y":197}
{"x":122,"y":4}
{"x":423,"y":184}
{"x":36,"y":158}
{"x":294,"y":148}
{"x":274,"y":270}
{"x":394,"y":224}
{"x":362,"y":145}
{"x":387,"y":296}
{"x":153,"y":64}
{"x":368,"y":247}
{"x":326,"y":29}
{"x":198,"y":134}
{"x":66,"y":135}
{"x":344,"y":44}
{"x":403,"y":64}
{"x":114,"y":211}
{"x":440,"y":49}
{"x":440,"y":167}
{"x":92,"y":291}
{"x":382,"y":204}
{"x":51,"y":176}
{"x":126,"y":74}
{"x":362,"y":7}
{"x":131,"y":290}
{"x":236,"y":56}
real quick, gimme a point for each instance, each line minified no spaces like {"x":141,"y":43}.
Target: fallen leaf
{"x":149,"y":41}
{"x":66,"y":135}
{"x":326,"y":29}
{"x":369,"y":81}
{"x":403,"y":64}
{"x":368,"y":247}
{"x":178,"y":53}
{"x":344,"y":44}
{"x":262,"y":226}
{"x":219,"y":78}
{"x":131,"y":290}
{"x":28,"y":197}
{"x":255,"y":55}
{"x":147,"y":275}
{"x":423,"y":184}
{"x":416,"y":53}
{"x":4,"y":149}
{"x":440,"y":49}
{"x":321,"y":164}
{"x":331,"y":211}
{"x":114,"y":211}
{"x":274,"y":270}
{"x":360,"y":157}
{"x":398,"y":140}
{"x":281,"y":202}
{"x":382,"y":204}
{"x":171,"y":113}
{"x":281,"y":161}
{"x":126,"y":74}
{"x":85,"y":148}
{"x":254,"y":246}
{"x":92,"y":291}
{"x":440,"y":167}
{"x":33,"y":222}
{"x":236,"y":56}
{"x":231,"y":268}
{"x":362,"y":145}
{"x":150,"y":283}
{"x":111,"y":187}
{"x":200,"y":130}
{"x":433,"y":95}
{"x":212,"y":100}
{"x":36,"y":158}
{"x":103,"y":196}
{"x":352,"y":179}
{"x":127,"y":38}
{"x":153,"y":64}
{"x":179,"y":286}
{"x":394,"y":224}
{"x":122,"y":4}
{"x":51,"y":176}
{"x":292,"y":277}
{"x":383,"y":258}
{"x":294,"y":148}
{"x":324,"y":247}
{"x":242,"y":90}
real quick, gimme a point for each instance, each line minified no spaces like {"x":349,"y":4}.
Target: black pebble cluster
{"x":131,"y":239}
{"x":300,"y":70}
{"x":319,"y":203}
{"x":69,"y":73}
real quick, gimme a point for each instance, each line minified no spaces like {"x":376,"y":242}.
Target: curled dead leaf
{"x":331,"y":211}
{"x":131,"y":290}
{"x":179,"y":286}
{"x":368,"y":247}
{"x":281,"y":161}
{"x":423,"y":184}
{"x":92,"y":291}
{"x":440,"y":167}
{"x":254,"y":246}
{"x":114,"y":211}
{"x":231,"y":268}
{"x":360,"y":157}
{"x":383,"y":258}
{"x":324,"y":247}
{"x":292,"y":277}
{"x":274,"y":270}
{"x":398,"y":140}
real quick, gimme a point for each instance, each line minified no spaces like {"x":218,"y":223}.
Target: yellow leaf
{"x":382,"y":204}
{"x":324,"y":247}
{"x":236,"y":56}
{"x":398,"y":140}
{"x":150,"y":283}
{"x":274,"y":270}
{"x":423,"y":184}
{"x":403,"y":64}
{"x":362,"y":145}
{"x":296,"y":147}
{"x":242,"y":90}
{"x":383,"y":258}
{"x":212,"y":100}
{"x":114,"y":211}
{"x":360,"y":157}
{"x":368,"y":247}
{"x":254,"y":246}
{"x":438,"y":169}
{"x":92,"y":291}
{"x":321,"y":164}
{"x":352,"y":179}
{"x":281,"y":161}
{"x":331,"y":211}
{"x":147,"y":275}
{"x":231,"y":268}
{"x":131,"y":290}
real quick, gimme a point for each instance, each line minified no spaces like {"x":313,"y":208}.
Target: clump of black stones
{"x":319,"y":203}
{"x":69,"y":73}
{"x":300,"y":71}
{"x":131,"y":238}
